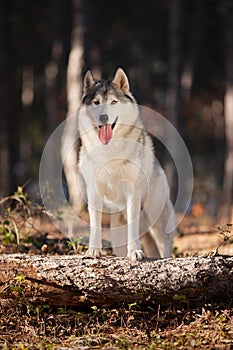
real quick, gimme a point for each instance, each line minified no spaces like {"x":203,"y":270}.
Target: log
{"x":77,"y":280}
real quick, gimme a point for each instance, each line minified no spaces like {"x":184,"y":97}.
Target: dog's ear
{"x":121,"y":80}
{"x":88,"y":82}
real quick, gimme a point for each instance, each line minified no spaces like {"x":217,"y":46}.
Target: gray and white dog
{"x":119,"y":174}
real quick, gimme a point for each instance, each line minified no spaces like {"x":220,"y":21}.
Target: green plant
{"x":15,"y":214}
{"x":9,"y":234}
{"x":76,"y":244}
{"x":226,"y":234}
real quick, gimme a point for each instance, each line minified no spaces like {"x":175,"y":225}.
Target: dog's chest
{"x":116,"y":181}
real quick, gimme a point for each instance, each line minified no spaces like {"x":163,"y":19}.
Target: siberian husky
{"x":119,"y":174}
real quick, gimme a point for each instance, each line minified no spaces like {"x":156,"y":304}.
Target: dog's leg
{"x":133,"y":220}
{"x":162,"y":238}
{"x":118,"y":234}
{"x":95,"y":240}
{"x":147,"y":241}
{"x":149,"y":246}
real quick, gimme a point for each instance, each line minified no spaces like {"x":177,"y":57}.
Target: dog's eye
{"x":96,"y":102}
{"x":114,"y":102}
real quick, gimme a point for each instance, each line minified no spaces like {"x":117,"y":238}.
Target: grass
{"x":27,"y":327}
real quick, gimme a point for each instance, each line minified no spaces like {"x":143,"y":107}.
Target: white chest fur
{"x":114,"y":179}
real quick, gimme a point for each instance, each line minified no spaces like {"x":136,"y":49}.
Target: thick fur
{"x":119,"y":173}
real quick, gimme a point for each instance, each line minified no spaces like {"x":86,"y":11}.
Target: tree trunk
{"x":54,"y":79}
{"x":228,"y":111}
{"x":10,"y":84}
{"x":4,"y":136}
{"x":81,"y":281}
{"x":198,"y":19}
{"x":74,"y":92}
{"x":174,"y":83}
{"x":93,"y":38}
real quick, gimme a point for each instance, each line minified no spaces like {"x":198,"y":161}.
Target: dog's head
{"x":107,"y":102}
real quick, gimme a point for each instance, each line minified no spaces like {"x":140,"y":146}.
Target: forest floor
{"x":178,"y":326}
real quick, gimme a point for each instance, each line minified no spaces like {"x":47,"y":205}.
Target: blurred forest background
{"x":178,"y":55}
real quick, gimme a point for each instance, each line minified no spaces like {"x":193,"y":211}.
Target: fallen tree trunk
{"x":81,"y":281}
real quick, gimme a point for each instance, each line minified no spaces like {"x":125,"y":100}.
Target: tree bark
{"x":74,"y":92}
{"x":81,"y":281}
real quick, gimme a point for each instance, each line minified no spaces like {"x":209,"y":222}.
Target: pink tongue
{"x":105,"y":133}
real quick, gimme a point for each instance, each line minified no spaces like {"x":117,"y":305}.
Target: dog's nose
{"x":103,"y":118}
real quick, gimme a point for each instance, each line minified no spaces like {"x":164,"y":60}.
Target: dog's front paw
{"x":136,"y":255}
{"x":93,"y":252}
